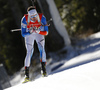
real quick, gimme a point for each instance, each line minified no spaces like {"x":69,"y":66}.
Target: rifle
{"x":33,"y":3}
{"x":14,"y":30}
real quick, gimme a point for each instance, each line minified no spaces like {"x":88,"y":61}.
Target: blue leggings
{"x":29,"y":43}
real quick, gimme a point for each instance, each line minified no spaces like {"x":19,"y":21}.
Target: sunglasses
{"x":34,"y":16}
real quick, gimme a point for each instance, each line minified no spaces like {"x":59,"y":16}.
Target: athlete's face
{"x":34,"y":17}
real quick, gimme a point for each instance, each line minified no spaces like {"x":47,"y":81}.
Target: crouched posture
{"x":34,"y":27}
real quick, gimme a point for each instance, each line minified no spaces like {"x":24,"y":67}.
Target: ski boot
{"x":43,"y":69}
{"x":26,"y":79}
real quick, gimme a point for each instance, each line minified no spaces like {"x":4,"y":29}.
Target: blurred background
{"x":73,"y":20}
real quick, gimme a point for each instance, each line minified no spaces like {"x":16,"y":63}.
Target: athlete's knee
{"x":30,"y":51}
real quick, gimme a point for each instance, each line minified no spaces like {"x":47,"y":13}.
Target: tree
{"x":11,"y":47}
{"x":57,"y":33}
{"x":80,"y":15}
{"x":17,"y":14}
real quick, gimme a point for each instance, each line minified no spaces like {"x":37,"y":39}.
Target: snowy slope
{"x":84,"y":77}
{"x":79,"y":60}
{"x":79,"y":73}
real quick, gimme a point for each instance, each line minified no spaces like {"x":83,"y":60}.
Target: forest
{"x":80,"y":18}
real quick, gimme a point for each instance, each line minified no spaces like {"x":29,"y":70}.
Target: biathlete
{"x":34,"y":27}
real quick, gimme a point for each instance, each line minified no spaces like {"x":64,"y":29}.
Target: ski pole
{"x":14,"y":30}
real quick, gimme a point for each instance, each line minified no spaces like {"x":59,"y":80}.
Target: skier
{"x":34,"y":27}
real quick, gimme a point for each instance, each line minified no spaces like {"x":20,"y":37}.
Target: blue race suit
{"x":26,"y":23}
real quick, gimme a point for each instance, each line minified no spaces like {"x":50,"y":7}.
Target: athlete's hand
{"x":31,"y":30}
{"x":36,"y":30}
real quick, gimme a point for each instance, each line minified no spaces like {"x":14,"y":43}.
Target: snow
{"x":85,"y":77}
{"x":79,"y":60}
{"x":79,"y":73}
{"x":16,"y":79}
